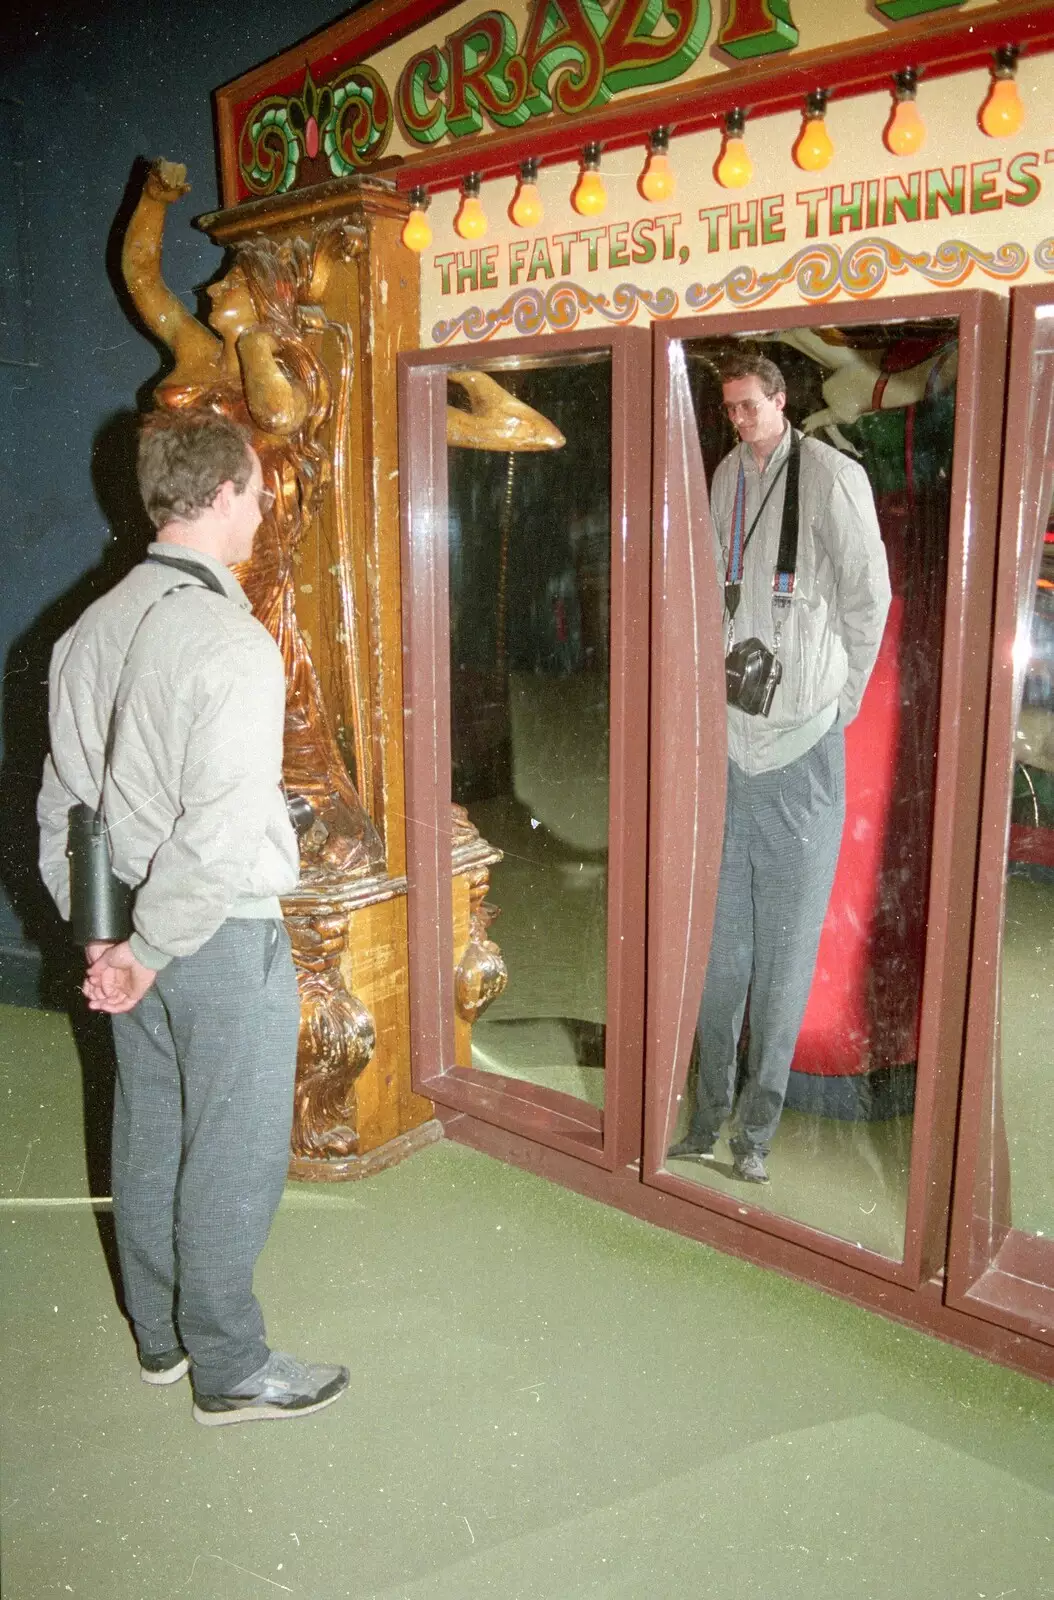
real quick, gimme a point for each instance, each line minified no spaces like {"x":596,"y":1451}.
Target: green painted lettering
{"x":479,"y":56}
{"x":565,"y":241}
{"x":618,"y":249}
{"x":635,"y":55}
{"x":444,"y":263}
{"x":772,"y":229}
{"x":488,"y":267}
{"x":592,"y":237}
{"x":517,"y":251}
{"x":643,"y":244}
{"x":983,"y":176}
{"x":423,"y":79}
{"x":468,"y":272}
{"x":897,"y":10}
{"x":561,"y":57}
{"x":847,"y":211}
{"x":757,"y":28}
{"x":812,"y":199}
{"x":540,"y":261}
{"x":873,"y":192}
{"x":743,"y":219}
{"x":669,"y":226}
{"x":942,"y":192}
{"x":902,"y":197}
{"x":1020,"y":172}
{"x":712,"y":217}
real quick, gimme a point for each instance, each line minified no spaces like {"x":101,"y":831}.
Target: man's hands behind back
{"x":115,"y":980}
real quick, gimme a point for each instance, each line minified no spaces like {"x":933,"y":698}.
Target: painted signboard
{"x":362,"y":91}
{"x":966,"y":208}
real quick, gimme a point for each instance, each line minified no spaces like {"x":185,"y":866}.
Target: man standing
{"x":167,"y":699}
{"x":806,"y":598}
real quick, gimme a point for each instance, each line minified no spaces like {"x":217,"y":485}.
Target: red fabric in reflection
{"x":863,"y":1010}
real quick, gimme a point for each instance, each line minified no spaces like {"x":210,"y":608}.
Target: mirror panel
{"x":1026,"y":1013}
{"x":529,"y":531}
{"x":839,"y":1156}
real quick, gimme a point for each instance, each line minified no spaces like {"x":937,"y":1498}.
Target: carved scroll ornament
{"x":337,"y":1039}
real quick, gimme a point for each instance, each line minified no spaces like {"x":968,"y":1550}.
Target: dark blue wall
{"x":87,"y":88}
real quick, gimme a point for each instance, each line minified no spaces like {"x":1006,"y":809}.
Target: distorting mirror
{"x":529,"y":539}
{"x":838,"y":1154}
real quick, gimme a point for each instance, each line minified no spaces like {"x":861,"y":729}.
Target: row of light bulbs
{"x":1001,"y":115}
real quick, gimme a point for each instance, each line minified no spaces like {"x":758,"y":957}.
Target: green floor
{"x":549,"y":1399}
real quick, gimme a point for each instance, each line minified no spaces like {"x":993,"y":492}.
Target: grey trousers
{"x":202,"y":1117}
{"x":783,"y":831}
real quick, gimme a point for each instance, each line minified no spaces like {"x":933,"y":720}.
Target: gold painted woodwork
{"x":301,"y":343}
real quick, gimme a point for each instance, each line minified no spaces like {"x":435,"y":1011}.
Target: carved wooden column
{"x":339,"y":295}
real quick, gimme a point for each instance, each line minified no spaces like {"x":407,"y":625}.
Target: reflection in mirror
{"x":1027,"y":989}
{"x":530,"y":584}
{"x":801,"y":1083}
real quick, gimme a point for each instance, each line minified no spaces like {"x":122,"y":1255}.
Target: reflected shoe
{"x":167,"y":1366}
{"x":750,"y":1167}
{"x":691,"y":1149}
{"x":283,"y":1387}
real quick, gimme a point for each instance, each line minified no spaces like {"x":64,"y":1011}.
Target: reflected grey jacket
{"x":193,"y":804}
{"x":833,"y":628}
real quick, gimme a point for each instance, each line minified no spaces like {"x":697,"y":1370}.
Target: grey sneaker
{"x":691,"y":1148}
{"x":283,"y":1387}
{"x":167,"y":1366}
{"x":750,"y":1167}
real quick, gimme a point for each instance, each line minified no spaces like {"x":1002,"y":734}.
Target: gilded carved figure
{"x":254,"y":362}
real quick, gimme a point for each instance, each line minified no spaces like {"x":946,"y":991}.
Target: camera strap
{"x":210,"y":581}
{"x":787,"y":557}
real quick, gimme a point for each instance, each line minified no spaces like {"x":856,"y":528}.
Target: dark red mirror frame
{"x":996,"y":1271}
{"x":685,"y":810}
{"x":611,"y":1138}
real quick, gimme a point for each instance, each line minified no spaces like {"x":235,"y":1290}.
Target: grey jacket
{"x":193,"y":804}
{"x":833,"y":627}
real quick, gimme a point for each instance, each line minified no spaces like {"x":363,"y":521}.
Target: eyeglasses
{"x":749,"y":408}
{"x":265,"y":499}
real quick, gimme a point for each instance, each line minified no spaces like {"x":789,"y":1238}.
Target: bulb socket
{"x":1006,"y":61}
{"x":735,"y":122}
{"x":905,"y":84}
{"x":816,"y":103}
{"x":659,"y":142}
{"x":470,"y":186}
{"x":419,"y":198}
{"x":591,"y":157}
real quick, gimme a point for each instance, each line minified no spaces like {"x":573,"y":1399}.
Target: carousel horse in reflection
{"x":898,"y":376}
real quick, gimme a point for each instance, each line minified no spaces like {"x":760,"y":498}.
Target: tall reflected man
{"x":806,"y":598}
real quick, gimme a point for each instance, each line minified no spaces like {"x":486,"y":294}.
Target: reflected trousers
{"x":202,"y":1116}
{"x":783,"y":832}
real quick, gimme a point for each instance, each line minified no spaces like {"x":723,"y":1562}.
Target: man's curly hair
{"x":184,"y":457}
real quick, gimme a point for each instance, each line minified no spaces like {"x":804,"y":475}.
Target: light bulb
{"x":735,"y":168}
{"x":471,"y":220}
{"x":658,"y":181}
{"x":814,"y":148}
{"x":1002,"y":113}
{"x":527,"y":210}
{"x":906,"y":132}
{"x":417,"y":235}
{"x":590,"y":197}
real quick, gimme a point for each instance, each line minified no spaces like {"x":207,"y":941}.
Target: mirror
{"x":805,"y":1054}
{"x":1026,"y":1028}
{"x":530,"y":588}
